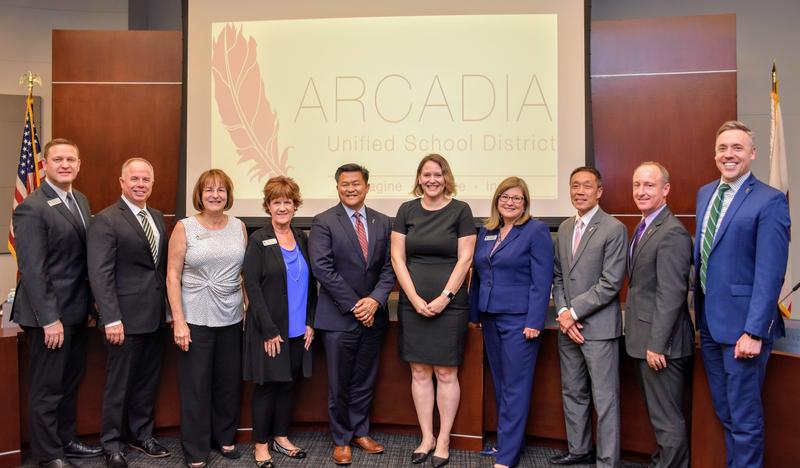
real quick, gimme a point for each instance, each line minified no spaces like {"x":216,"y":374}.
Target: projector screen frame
{"x":304,"y":222}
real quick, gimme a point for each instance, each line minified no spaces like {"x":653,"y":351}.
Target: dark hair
{"x":214,"y":175}
{"x":590,"y":170}
{"x":60,"y":141}
{"x":352,"y":167}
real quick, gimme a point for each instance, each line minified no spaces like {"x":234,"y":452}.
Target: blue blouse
{"x":296,"y":289}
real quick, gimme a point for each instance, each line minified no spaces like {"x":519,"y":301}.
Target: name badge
{"x":205,"y":235}
{"x":54,"y":201}
{"x":493,"y":237}
{"x":267,"y":242}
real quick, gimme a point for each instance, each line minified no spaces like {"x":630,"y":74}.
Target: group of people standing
{"x":249,"y":308}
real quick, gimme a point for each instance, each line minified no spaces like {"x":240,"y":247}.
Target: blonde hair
{"x":494,"y":220}
{"x":737,"y":125}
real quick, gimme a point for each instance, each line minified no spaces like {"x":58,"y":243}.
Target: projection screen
{"x":300,"y":88}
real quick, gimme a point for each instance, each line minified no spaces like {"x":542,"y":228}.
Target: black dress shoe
{"x":567,"y":458}
{"x":439,"y":462}
{"x":420,"y":457}
{"x":77,"y":449}
{"x":57,"y":463}
{"x":151,"y":448}
{"x":116,"y":460}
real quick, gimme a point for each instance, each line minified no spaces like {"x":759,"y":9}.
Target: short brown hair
{"x":215,"y":175}
{"x":60,"y":141}
{"x":449,"y":180}
{"x":737,"y":125}
{"x":282,"y":186}
{"x":494,"y":220}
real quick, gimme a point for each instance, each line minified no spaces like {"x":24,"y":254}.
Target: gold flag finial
{"x":30,"y":80}
{"x":774,"y":78}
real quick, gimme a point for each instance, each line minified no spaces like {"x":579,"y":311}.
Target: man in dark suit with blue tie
{"x":741,"y":249}
{"x":127,"y":269}
{"x":53,"y":302}
{"x":349,"y":249}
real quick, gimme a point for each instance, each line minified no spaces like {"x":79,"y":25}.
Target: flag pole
{"x":30,"y":80}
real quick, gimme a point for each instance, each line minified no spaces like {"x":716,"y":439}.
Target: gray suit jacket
{"x":51,"y":257}
{"x":656,"y":311}
{"x":590,"y":282}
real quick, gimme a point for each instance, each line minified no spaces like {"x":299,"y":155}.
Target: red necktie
{"x":362,"y":235}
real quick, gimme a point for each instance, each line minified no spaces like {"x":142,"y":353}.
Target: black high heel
{"x":420,"y":457}
{"x":439,"y":462}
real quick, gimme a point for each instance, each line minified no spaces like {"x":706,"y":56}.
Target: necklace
{"x":295,"y":259}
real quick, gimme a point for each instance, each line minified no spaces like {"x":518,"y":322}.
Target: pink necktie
{"x":577,"y":238}
{"x":362,"y":235}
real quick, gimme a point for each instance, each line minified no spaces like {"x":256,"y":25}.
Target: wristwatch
{"x":449,"y":294}
{"x":755,"y":337}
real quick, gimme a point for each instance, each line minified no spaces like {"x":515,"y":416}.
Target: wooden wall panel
{"x":10,"y":404}
{"x":118,"y":94}
{"x":664,"y":45}
{"x":660,"y":89}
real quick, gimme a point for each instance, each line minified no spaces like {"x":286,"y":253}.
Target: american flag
{"x":30,"y":170}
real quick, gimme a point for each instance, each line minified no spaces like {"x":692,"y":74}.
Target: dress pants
{"x":590,"y":371}
{"x":736,"y":386}
{"x":663,"y":397}
{"x":352,"y":358}
{"x":210,"y":383}
{"x":512,"y":360}
{"x":132,"y":371}
{"x":54,"y":378}
{"x":272,"y":401}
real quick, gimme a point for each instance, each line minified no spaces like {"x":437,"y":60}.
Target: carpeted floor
{"x":318,"y":445}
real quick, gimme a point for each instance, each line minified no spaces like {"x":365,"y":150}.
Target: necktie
{"x":148,"y":232}
{"x":711,"y":230}
{"x":72,"y":205}
{"x":361,"y":233}
{"x":637,"y":235}
{"x":577,"y":238}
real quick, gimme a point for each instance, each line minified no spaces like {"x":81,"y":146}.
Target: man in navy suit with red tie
{"x":741,"y":248}
{"x":349,"y":249}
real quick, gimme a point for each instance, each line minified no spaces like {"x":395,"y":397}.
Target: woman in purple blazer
{"x":511,"y":278}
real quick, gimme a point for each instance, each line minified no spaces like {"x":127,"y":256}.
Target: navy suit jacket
{"x":343,"y":274}
{"x":746,"y":265}
{"x":517,"y":278}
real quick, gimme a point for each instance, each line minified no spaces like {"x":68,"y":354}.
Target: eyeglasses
{"x":516,"y":199}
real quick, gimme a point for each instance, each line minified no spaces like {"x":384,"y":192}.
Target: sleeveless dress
{"x":211,"y":285}
{"x":431,"y":254}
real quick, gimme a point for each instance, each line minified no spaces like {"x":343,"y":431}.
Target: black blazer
{"x":51,"y":258}
{"x":268,"y":313}
{"x":343,"y":274}
{"x":126,"y":283}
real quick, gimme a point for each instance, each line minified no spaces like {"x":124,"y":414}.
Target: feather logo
{"x":243,"y":105}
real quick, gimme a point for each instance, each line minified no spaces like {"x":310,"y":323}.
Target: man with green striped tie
{"x":127,"y":257}
{"x":741,"y":248}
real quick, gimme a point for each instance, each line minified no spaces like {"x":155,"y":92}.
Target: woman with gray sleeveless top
{"x":204,"y":285}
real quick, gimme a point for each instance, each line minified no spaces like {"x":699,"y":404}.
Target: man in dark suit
{"x":349,"y":249}
{"x":740,"y":254}
{"x":658,"y":329}
{"x":53,"y":302}
{"x":587,"y":276}
{"x":127,"y":268}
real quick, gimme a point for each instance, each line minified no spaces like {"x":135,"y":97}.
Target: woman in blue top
{"x":278,"y":328}
{"x":509,"y":295}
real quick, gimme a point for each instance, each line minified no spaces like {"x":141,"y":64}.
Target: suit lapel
{"x":586,"y":236}
{"x":371,"y":232}
{"x":62,"y":209}
{"x":350,"y":232}
{"x":274,"y":251}
{"x":648,"y":234}
{"x":133,"y":221}
{"x":512,"y":234}
{"x":736,"y":203}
